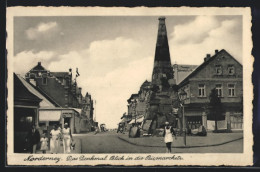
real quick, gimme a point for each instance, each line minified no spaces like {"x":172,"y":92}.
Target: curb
{"x":182,"y":147}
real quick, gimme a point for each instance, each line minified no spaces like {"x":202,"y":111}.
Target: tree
{"x":215,"y":108}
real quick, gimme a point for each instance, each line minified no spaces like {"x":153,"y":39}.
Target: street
{"x":109,"y":142}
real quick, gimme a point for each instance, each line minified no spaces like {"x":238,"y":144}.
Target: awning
{"x":77,"y":110}
{"x":139,"y":120}
{"x":48,"y":115}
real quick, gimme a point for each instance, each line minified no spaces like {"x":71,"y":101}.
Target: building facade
{"x":57,"y":85}
{"x":224,"y":73}
{"x":160,"y":101}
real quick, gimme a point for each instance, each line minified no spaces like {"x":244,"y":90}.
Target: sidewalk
{"x":77,"y":149}
{"x":212,"y":139}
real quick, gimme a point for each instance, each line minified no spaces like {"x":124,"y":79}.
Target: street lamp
{"x":183,"y":97}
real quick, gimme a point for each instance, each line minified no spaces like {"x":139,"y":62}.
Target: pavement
{"x":76,"y":150}
{"x":112,"y":142}
{"x":212,"y":139}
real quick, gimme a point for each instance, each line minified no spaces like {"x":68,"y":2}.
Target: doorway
{"x":67,"y":120}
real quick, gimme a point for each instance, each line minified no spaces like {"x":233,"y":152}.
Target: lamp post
{"x":183,"y":97}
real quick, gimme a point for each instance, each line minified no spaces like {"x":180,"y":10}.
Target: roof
{"x":38,"y":67}
{"x":146,"y":83}
{"x":181,"y":71}
{"x":46,"y":96}
{"x":45,"y":102}
{"x":204,"y":64}
{"x":60,"y":74}
{"x":132,"y":96}
{"x":21,"y":92}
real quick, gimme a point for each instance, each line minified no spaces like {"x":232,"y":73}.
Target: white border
{"x":205,"y":159}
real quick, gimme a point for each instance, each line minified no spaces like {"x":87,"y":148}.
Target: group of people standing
{"x":58,"y":136}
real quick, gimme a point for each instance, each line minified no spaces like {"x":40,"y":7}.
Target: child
{"x":44,"y":143}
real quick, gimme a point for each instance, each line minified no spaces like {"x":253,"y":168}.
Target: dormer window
{"x":231,"y":69}
{"x":32,"y":76}
{"x":218,"y":70}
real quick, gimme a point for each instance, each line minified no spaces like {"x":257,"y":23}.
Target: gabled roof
{"x":200,"y":67}
{"x":45,"y":102}
{"x":38,"y":67}
{"x":21,"y":92}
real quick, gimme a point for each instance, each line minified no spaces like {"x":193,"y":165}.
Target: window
{"x":231,"y":90}
{"x":231,"y":69}
{"x":44,"y":80}
{"x":219,"y":90}
{"x":32,"y":76}
{"x":218,"y":69}
{"x":202,"y":90}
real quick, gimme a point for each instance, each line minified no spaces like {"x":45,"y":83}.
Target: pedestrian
{"x":55,"y":136}
{"x":96,"y":130}
{"x":67,"y":138}
{"x":44,"y":143}
{"x":32,"y":139}
{"x":167,"y":134}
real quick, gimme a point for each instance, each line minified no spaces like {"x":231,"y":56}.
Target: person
{"x":67,"y":138}
{"x":32,"y":139}
{"x":44,"y":143}
{"x":54,"y":141}
{"x":96,"y":130}
{"x":167,"y":134}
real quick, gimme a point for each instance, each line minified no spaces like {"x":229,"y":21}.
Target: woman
{"x":67,"y":138}
{"x":167,"y":134}
{"x":55,"y":136}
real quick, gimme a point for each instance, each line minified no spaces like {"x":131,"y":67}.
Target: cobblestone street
{"x":109,"y":142}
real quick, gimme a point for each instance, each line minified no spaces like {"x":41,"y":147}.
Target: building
{"x":63,"y":91}
{"x":220,"y":71}
{"x":31,"y":107}
{"x":159,"y":100}
{"x":59,"y":86}
{"x":26,"y":110}
{"x":181,"y":71}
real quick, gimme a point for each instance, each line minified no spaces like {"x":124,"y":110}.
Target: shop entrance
{"x":194,"y":122}
{"x":24,"y":118}
{"x":67,"y":120}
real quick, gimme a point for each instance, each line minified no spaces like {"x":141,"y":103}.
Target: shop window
{"x":219,"y":90}
{"x":218,"y":70}
{"x":202,"y":90}
{"x":231,"y":90}
{"x":231,"y":69}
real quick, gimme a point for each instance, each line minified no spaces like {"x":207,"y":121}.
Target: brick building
{"x":63,"y":90}
{"x":58,"y":85}
{"x":223,"y":72}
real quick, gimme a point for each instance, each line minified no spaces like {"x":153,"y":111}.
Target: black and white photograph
{"x":141,"y":86}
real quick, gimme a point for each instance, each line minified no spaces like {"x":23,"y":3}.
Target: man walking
{"x":32,"y":139}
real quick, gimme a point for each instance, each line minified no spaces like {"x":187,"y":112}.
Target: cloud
{"x":194,"y":31}
{"x":111,"y":70}
{"x":203,"y":38}
{"x":26,"y":60}
{"x":40,"y":30}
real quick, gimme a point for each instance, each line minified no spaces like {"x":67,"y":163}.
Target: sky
{"x":114,"y":54}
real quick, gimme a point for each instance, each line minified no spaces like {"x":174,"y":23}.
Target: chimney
{"x":207,"y":57}
{"x":216,"y":51}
